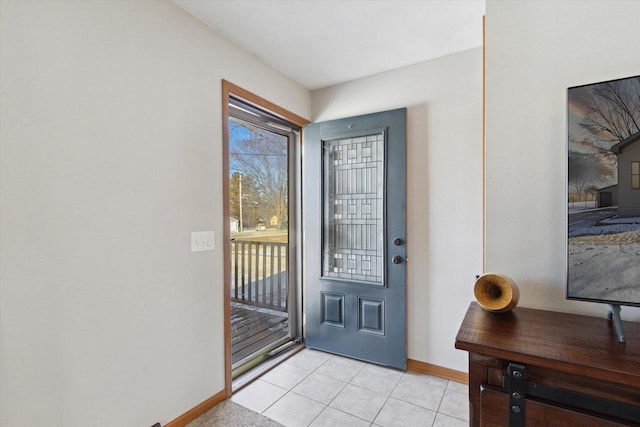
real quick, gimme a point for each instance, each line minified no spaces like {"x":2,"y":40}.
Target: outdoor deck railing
{"x":259,"y":273}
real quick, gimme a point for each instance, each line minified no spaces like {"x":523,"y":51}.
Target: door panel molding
{"x":371,"y":316}
{"x":332,"y":309}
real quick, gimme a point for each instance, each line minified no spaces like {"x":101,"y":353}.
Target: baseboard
{"x":196,"y":411}
{"x":439,"y":371}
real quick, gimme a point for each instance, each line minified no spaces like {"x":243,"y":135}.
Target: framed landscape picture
{"x":604,"y":192}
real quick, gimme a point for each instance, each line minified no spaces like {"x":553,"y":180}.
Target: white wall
{"x":110,"y":156}
{"x":535,"y":51}
{"x":444,"y":185}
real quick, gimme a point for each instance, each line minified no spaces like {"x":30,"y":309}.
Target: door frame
{"x":228,"y":90}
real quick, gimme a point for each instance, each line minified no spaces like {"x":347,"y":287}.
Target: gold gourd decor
{"x":496,"y":292}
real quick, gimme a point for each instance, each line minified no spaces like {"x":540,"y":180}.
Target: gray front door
{"x":354,"y":204}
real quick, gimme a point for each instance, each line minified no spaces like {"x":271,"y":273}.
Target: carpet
{"x":231,"y":414}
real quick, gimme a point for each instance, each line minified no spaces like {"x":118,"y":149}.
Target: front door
{"x":354,"y":203}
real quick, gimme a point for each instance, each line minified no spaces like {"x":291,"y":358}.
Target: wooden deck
{"x":253,"y":328}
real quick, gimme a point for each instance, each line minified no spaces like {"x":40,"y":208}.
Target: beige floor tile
{"x":396,"y":413}
{"x":358,"y":401}
{"x":455,"y":405}
{"x":419,"y":393}
{"x":376,"y":378}
{"x":459,"y":387}
{"x":429,"y":379}
{"x":258,"y":395}
{"x":285,"y":375}
{"x":293,"y":410}
{"x":309,"y":359}
{"x":447,"y":421}
{"x":331,"y":417}
{"x":319,"y":387}
{"x":341,"y":368}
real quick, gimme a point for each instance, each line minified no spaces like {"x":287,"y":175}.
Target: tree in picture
{"x":604,"y":191}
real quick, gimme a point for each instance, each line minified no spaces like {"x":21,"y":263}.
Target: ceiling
{"x":319,"y":43}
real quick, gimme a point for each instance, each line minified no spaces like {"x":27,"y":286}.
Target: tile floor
{"x":318,"y":389}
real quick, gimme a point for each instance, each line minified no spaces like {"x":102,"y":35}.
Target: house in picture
{"x":607,"y":196}
{"x":628,"y":187}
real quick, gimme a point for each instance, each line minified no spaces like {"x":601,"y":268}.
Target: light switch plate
{"x":202,"y":241}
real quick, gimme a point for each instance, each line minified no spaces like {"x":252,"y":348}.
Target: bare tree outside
{"x":260,"y":157}
{"x":245,"y":201}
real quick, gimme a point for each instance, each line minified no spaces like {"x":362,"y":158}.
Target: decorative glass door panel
{"x":353,"y":206}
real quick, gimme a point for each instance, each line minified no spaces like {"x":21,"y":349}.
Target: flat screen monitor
{"x":603,"y":189}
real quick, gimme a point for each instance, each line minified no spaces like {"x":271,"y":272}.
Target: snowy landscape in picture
{"x":604,"y":192}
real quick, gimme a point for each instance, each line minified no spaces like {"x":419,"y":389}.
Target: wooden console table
{"x":541,"y":368}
